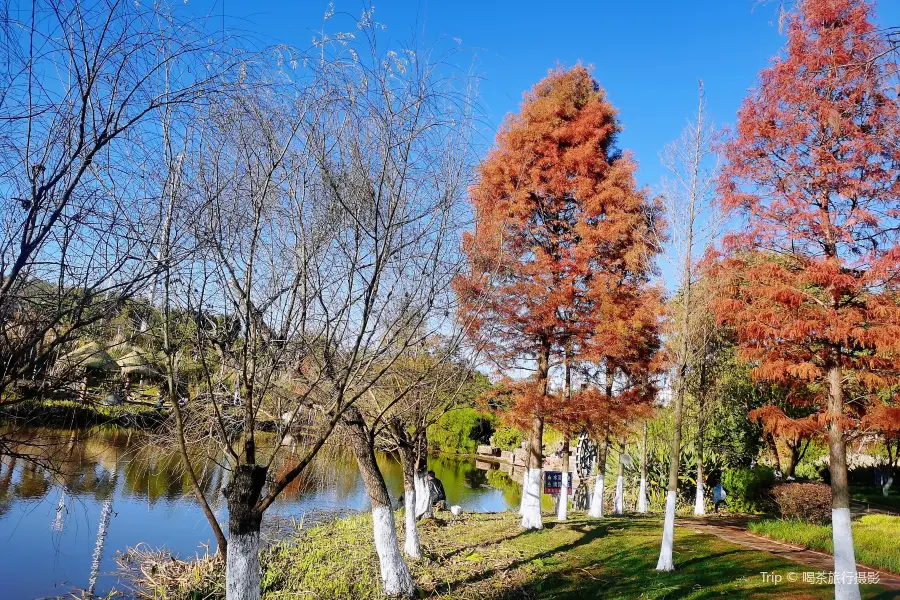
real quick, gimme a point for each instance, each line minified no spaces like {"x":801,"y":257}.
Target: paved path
{"x":734,"y":530}
{"x":864,"y":506}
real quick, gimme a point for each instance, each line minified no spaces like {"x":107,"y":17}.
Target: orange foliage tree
{"x":788,"y":437}
{"x":558,"y":220}
{"x":813,"y":169}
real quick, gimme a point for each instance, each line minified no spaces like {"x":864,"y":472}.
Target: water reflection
{"x":84,"y":495}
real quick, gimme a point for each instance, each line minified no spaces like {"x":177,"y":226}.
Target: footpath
{"x":734,"y":530}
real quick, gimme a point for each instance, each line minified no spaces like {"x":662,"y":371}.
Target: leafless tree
{"x":431,"y":381}
{"x":78,"y":86}
{"x":320,"y":227}
{"x":688,"y":197}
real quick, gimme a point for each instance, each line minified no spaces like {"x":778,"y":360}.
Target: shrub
{"x":460,"y":431}
{"x":804,"y":501}
{"x":810,"y":470}
{"x":745,"y":487}
{"x":507,"y":438}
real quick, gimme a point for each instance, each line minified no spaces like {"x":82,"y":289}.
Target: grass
{"x":875,"y":496}
{"x":489,"y":556}
{"x":74,"y":413}
{"x":874,"y":538}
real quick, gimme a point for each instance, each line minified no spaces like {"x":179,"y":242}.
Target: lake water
{"x":50,"y":514}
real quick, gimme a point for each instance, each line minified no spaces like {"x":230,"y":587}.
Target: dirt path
{"x":734,"y":530}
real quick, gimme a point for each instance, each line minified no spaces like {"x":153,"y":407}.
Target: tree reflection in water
{"x":69,"y":500}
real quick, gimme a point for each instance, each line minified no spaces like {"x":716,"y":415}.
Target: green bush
{"x":810,"y":470}
{"x":460,"y":431}
{"x":745,"y":487}
{"x":507,"y":438}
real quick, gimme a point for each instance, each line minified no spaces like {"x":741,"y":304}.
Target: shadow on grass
{"x":616,"y":558}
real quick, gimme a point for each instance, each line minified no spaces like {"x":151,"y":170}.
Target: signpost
{"x":553,"y":481}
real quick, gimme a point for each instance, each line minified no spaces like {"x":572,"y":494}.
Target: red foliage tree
{"x":558,"y":218}
{"x":788,"y":437}
{"x":813,"y":169}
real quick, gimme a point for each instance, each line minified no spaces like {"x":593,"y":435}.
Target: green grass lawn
{"x":489,"y":556}
{"x":875,"y":496}
{"x":874,"y":538}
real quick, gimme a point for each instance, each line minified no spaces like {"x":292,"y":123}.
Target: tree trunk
{"x":619,"y":506}
{"x":699,"y":503}
{"x":412,"y":546}
{"x":846,"y":586}
{"x":596,"y":509}
{"x":423,"y":490}
{"x":530,"y":509}
{"x":789,"y":464}
{"x":665,"y":562}
{"x":642,"y":490}
{"x":773,"y":450}
{"x":244,"y":519}
{"x":395,"y":576}
{"x":886,"y":488}
{"x":531,"y":488}
{"x":562,"y":509}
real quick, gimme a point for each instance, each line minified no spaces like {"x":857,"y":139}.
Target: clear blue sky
{"x":647,"y":54}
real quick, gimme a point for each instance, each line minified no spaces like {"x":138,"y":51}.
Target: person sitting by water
{"x":436,"y":490}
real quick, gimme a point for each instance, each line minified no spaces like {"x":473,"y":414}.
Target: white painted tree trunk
{"x":423,"y":496}
{"x":412,"y":547}
{"x":531,"y":500}
{"x":668,"y":542}
{"x":59,"y":521}
{"x":395,"y":574}
{"x":846,"y":586}
{"x":596,"y":509}
{"x":242,"y":566}
{"x":642,"y":496}
{"x":562,"y":511}
{"x":619,"y":507}
{"x":886,"y":488}
{"x":642,"y":507}
{"x":699,"y":504}
{"x":102,"y":529}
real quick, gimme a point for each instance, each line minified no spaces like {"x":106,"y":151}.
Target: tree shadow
{"x":588,"y":536}
{"x":706,"y":567}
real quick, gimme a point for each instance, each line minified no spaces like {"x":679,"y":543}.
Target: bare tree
{"x":688,"y":198}
{"x":322,"y":224}
{"x":430,"y":382}
{"x":78,"y":86}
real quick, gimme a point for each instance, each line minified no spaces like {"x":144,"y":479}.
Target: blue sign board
{"x":553,"y":481}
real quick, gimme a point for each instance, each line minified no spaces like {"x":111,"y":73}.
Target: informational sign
{"x":553,"y":481}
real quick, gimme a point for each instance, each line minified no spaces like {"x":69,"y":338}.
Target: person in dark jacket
{"x":436,"y":489}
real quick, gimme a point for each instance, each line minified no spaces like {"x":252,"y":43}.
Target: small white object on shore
{"x":456,"y":510}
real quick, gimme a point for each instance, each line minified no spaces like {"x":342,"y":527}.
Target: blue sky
{"x":647,"y":54}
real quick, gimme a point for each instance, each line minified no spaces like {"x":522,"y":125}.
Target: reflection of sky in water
{"x":49,"y":535}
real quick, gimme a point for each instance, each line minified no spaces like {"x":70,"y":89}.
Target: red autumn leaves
{"x":814,"y":172}
{"x":562,"y":251}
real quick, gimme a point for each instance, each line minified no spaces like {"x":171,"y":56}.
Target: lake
{"x":50,"y":513}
